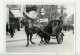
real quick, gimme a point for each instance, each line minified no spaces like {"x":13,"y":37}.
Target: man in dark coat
{"x":61,"y":24}
{"x":7,"y":30}
{"x":11,"y":30}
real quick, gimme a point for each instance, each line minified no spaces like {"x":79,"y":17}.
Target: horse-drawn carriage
{"x":53,"y":28}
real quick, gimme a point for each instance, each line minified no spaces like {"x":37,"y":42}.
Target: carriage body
{"x":53,"y":30}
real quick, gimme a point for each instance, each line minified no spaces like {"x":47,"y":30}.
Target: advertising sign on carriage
{"x":43,"y":20}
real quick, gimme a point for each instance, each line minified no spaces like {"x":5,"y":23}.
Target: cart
{"x":54,"y":31}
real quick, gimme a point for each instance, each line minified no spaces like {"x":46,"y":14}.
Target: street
{"x":18,"y":43}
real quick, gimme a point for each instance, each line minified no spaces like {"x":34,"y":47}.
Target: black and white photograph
{"x":44,"y":28}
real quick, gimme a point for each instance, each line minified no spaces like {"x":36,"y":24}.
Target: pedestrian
{"x":7,"y":29}
{"x":61,"y":24}
{"x":11,"y":30}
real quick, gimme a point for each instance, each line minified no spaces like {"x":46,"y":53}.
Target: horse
{"x":30,"y":31}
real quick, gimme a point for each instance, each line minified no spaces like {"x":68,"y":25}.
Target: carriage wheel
{"x":59,"y":39}
{"x":47,"y":39}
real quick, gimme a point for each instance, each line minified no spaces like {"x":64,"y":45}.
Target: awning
{"x":16,"y":13}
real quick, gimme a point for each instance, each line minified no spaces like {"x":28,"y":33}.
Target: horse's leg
{"x":41,"y":36}
{"x":27,"y":40}
{"x":41,"y":40}
{"x":31,"y":38}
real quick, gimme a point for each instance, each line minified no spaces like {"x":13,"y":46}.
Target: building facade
{"x":52,"y":12}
